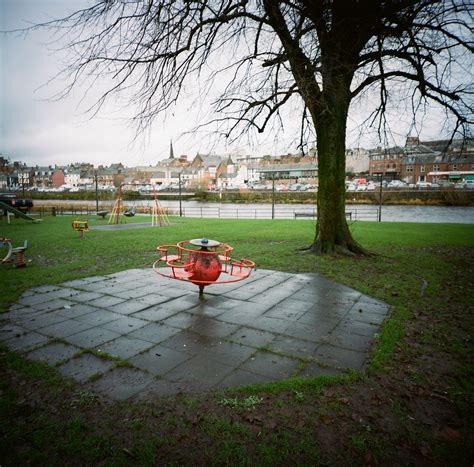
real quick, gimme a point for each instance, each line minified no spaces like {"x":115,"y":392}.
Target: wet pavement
{"x":138,"y":335}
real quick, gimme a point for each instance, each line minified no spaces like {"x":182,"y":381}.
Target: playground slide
{"x":15,"y":211}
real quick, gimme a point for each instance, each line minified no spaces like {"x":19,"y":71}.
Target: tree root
{"x":352,"y":249}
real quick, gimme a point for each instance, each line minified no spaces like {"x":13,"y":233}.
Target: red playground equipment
{"x":210,"y":264}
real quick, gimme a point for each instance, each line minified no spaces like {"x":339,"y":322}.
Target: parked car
{"x":397,"y":184}
{"x":469,"y":184}
{"x":423,"y":184}
{"x":11,"y":200}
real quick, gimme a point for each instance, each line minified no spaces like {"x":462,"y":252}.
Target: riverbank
{"x":209,"y":210}
{"x":448,"y":197}
{"x":389,"y":197}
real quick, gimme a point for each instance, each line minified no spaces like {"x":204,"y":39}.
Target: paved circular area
{"x":269,"y":327}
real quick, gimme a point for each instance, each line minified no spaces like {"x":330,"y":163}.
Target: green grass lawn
{"x":56,"y":254}
{"x":413,"y":407}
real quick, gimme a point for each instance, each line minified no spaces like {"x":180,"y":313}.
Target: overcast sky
{"x":38,"y":130}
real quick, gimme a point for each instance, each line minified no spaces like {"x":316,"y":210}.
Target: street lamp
{"x":179,"y":187}
{"x":379,"y":213}
{"x":23,"y":181}
{"x":96,"y":192}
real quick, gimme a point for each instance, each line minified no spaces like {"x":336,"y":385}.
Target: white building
{"x":72,"y":179}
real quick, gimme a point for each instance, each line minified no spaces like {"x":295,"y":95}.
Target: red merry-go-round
{"x":201,"y":261}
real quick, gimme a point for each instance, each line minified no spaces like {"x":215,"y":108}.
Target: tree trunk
{"x":332,"y":231}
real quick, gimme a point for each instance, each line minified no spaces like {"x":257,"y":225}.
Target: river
{"x":425,"y":214}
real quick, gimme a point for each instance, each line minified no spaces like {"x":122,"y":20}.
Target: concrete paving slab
{"x":189,"y":342}
{"x":77,"y":310}
{"x":86,"y":296}
{"x":160,"y":388}
{"x":121,"y":383}
{"x":56,"y":304}
{"x":98,"y":317}
{"x":85,"y":366}
{"x":294,"y":347}
{"x":313,"y":369}
{"x":92,"y":337}
{"x":26,"y":341}
{"x":124,"y":347}
{"x":204,"y":310}
{"x":106,"y":302}
{"x":181,"y":320}
{"x":200,"y":371}
{"x":155,"y":313}
{"x":44,"y":289}
{"x":19,"y":313}
{"x":313,"y":333}
{"x":337,"y":357}
{"x":241,"y":377}
{"x":10,"y":330}
{"x":130,"y":306}
{"x":154,"y":332}
{"x":159,"y":360}
{"x":228,"y":352}
{"x":65,"y":328}
{"x":124,"y":325}
{"x":257,"y":330}
{"x":275,"y":325}
{"x":252,"y":337}
{"x":271,"y":365}
{"x":53,"y":353}
{"x":34,"y":299}
{"x":212,"y":328}
{"x":153,"y":299}
{"x":36,"y":321}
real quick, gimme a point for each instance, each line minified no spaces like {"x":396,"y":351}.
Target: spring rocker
{"x":14,"y":255}
{"x":81,"y":227}
{"x":202,"y":262}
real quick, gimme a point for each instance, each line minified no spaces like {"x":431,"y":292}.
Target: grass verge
{"x":414,"y":406}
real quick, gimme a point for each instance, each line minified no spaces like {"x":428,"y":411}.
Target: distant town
{"x":418,"y":163}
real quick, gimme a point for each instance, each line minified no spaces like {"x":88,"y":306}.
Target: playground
{"x":408,"y":396}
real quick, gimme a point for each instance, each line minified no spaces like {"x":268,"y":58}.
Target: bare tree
{"x":322,"y":54}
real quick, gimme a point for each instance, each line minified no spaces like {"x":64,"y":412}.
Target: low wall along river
{"x":298,"y":211}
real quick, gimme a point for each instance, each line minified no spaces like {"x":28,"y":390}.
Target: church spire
{"x":171,"y":149}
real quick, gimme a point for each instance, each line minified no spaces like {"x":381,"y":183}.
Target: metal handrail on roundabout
{"x":202,"y":262}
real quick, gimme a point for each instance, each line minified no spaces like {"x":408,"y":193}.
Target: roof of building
{"x":159,"y":174}
{"x":287,"y":167}
{"x":226,"y":175}
{"x":210,"y":160}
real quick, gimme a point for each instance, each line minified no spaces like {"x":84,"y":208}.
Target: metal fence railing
{"x":353,"y":213}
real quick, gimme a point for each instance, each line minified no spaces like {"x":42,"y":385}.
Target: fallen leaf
{"x":425,"y":450}
{"x":447,"y":434}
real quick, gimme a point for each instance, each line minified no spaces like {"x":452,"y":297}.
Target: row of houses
{"x":202,"y":172}
{"x":429,"y":161}
{"x":433,"y":161}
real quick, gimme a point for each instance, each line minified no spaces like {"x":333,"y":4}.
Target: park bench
{"x":102,"y":213}
{"x":313,"y":214}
